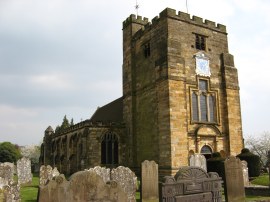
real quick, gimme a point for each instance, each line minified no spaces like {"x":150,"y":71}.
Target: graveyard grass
{"x":261,"y":180}
{"x":29,"y":192}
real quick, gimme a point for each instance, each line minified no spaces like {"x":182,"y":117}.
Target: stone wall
{"x":157,"y":89}
{"x":79,"y":146}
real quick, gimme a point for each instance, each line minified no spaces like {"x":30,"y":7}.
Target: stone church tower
{"x":180,"y":97}
{"x":180,"y":90}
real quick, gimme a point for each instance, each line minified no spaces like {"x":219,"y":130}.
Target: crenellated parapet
{"x":88,"y":123}
{"x":171,"y":13}
{"x":135,"y":19}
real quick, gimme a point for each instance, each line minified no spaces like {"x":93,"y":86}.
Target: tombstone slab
{"x":198,"y":160}
{"x":83,"y":186}
{"x":103,"y":172}
{"x":127,"y":180}
{"x":234,"y":186}
{"x":149,"y":181}
{"x":245,"y":173}
{"x":45,"y":174}
{"x":24,"y":171}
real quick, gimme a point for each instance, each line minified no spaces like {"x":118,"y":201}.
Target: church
{"x":180,"y":97}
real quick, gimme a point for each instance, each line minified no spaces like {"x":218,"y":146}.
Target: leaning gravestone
{"x":245,"y":173}
{"x":149,"y":181}
{"x":234,"y":186}
{"x":103,"y":172}
{"x":45,"y":174}
{"x":127,"y":180}
{"x":24,"y":171}
{"x":198,"y":160}
{"x":83,"y":186}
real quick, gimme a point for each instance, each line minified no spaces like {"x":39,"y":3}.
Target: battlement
{"x":171,"y":13}
{"x":87,"y":123}
{"x":135,"y":19}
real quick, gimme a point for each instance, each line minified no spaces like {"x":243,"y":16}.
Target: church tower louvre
{"x":180,"y":90}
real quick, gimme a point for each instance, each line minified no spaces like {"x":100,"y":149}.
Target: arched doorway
{"x":206,"y":151}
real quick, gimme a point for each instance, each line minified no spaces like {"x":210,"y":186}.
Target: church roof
{"x":112,"y":112}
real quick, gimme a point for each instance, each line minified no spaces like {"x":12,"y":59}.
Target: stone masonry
{"x":180,"y":97}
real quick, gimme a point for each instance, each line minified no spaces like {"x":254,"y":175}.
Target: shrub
{"x":216,"y":164}
{"x":254,"y":164}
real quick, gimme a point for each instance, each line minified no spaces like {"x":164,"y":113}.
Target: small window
{"x":200,"y":42}
{"x":147,"y":50}
{"x":202,"y":85}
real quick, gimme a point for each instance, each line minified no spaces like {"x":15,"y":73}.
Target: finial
{"x":137,"y":8}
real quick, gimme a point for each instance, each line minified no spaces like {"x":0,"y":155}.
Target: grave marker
{"x":149,"y":181}
{"x":234,"y":186}
{"x":24,"y":171}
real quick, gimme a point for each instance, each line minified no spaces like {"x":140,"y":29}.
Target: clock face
{"x":202,"y":66}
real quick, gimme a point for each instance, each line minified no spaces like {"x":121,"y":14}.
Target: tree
{"x":31,"y":152}
{"x":259,"y":145}
{"x":65,"y":123}
{"x":9,"y":152}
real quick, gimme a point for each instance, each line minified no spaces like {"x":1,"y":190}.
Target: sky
{"x":64,"y":57}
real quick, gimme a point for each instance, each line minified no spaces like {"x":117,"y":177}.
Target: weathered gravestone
{"x":103,"y":172}
{"x":245,"y":173}
{"x":6,"y":175}
{"x":45,"y":174}
{"x":149,"y":181}
{"x":198,"y":160}
{"x":192,"y":184}
{"x":83,"y":186}
{"x":24,"y":171}
{"x":55,"y":172}
{"x":12,"y":192}
{"x":127,"y":180}
{"x":234,"y":186}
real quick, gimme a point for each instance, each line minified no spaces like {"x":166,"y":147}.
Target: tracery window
{"x":109,"y":149}
{"x":203,"y":103}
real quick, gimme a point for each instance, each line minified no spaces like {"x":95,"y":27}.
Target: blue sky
{"x":63,"y":57}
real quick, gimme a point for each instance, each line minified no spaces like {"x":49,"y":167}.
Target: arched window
{"x":203,"y":102}
{"x":206,"y":150}
{"x":109,"y":149}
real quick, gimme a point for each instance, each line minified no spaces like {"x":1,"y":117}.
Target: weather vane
{"x":137,"y":7}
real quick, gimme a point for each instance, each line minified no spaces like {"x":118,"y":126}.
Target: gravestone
{"x":83,"y":186}
{"x":55,"y":172}
{"x":24,"y":171}
{"x":149,"y":181}
{"x":234,"y":186}
{"x":103,"y":172}
{"x":6,"y":175}
{"x":127,"y":180}
{"x":12,"y":192}
{"x":192,"y":184}
{"x":245,"y":173}
{"x":198,"y":160}
{"x":45,"y":174}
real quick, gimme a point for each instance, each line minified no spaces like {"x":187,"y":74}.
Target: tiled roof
{"x":112,"y":112}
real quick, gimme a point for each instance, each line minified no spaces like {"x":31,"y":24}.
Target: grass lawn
{"x":261,"y":180}
{"x":29,"y":192}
